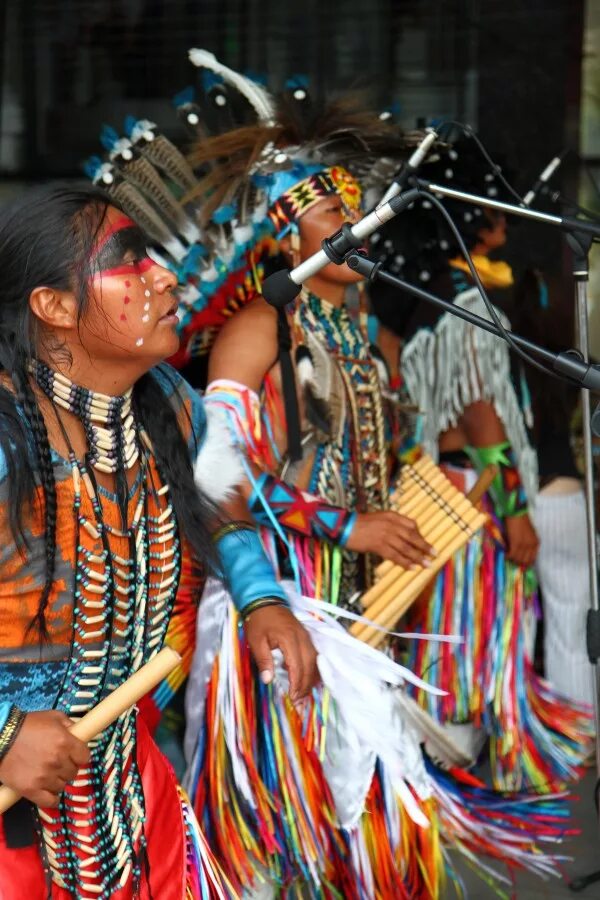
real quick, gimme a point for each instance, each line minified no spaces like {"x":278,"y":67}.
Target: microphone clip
{"x":360,"y":262}
{"x":340,"y":244}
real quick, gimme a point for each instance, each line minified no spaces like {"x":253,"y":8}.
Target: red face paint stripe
{"x":137,"y":268}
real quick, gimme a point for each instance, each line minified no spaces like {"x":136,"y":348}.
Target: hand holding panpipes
{"x":446,"y":518}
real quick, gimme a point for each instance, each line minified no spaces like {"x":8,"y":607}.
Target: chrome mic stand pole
{"x":580,"y":244}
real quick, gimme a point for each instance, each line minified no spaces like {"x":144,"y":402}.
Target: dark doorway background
{"x":511,"y":69}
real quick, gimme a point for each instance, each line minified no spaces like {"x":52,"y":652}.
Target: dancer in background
{"x":474,"y":413}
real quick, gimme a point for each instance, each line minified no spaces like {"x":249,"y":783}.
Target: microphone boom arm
{"x":568,"y":223}
{"x":568,"y":365}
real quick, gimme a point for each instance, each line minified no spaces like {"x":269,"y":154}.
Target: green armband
{"x":506,"y":490}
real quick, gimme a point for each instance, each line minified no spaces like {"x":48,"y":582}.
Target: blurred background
{"x":526,"y":76}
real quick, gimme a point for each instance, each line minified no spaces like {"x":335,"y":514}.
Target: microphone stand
{"x":571,"y":366}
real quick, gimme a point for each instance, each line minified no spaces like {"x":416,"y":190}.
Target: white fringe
{"x":448,"y":368}
{"x":218,"y":469}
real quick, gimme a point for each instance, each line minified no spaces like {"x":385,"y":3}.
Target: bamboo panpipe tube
{"x":396,"y":609}
{"x":413,"y":482}
{"x":398,"y":588}
{"x":474,"y":497}
{"x":413,"y":496}
{"x":397,"y":578}
{"x":429,"y":519}
{"x":410,"y":487}
{"x":411,"y":491}
{"x":483,"y":484}
{"x":424,"y":466}
{"x":429,"y":515}
{"x":108,"y":710}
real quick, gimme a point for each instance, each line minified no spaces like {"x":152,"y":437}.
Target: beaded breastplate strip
{"x":125,"y":586}
{"x":355,"y":452}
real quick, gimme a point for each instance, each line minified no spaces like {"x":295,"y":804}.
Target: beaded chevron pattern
{"x":125,"y":586}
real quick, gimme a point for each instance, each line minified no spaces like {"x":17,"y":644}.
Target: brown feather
{"x":341,"y":132}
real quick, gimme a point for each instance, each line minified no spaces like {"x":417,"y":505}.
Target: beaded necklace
{"x":108,"y":421}
{"x":334,"y":327}
{"x":126,"y":579}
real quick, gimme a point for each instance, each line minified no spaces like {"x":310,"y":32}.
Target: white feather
{"x":218,"y":468}
{"x":258,"y":97}
{"x":305,"y":371}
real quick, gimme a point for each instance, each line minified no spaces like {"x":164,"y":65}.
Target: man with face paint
{"x":106,"y":494}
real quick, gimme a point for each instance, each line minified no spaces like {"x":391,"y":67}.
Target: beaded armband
{"x":301,"y":513}
{"x":10,"y":730}
{"x":246,"y":570}
{"x":506,"y":490}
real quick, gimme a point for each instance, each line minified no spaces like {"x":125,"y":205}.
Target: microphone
{"x":282,"y":287}
{"x":544,"y":178}
{"x":411,"y":166}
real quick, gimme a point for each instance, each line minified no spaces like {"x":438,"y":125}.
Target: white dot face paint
{"x":145,"y":318}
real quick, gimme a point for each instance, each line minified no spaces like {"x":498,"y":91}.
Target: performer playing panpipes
{"x":474,"y":409}
{"x":101,"y":446}
{"x":334,"y":798}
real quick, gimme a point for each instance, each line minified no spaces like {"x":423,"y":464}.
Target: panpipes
{"x":446,"y":518}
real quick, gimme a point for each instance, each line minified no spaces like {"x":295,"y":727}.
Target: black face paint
{"x":123,"y":252}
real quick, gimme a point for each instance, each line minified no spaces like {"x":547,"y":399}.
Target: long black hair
{"x":418,"y":245}
{"x":46,"y":239}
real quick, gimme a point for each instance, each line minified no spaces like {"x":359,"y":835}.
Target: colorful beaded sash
{"x":357,"y":453}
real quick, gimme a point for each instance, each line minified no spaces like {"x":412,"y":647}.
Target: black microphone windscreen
{"x":278,"y":289}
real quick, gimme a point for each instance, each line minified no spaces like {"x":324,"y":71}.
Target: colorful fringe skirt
{"x":538,"y":739}
{"x":312,"y":801}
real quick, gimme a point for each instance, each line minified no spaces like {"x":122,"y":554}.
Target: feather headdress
{"x":215,"y":215}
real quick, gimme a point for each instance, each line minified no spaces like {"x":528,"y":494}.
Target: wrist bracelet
{"x":245,"y":568}
{"x":230,"y":527}
{"x":260,"y":604}
{"x":11,"y":729}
